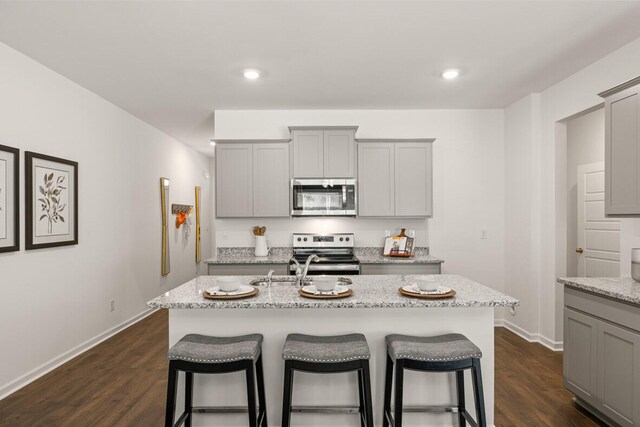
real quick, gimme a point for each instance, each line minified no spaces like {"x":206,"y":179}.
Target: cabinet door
{"x":308,"y":152}
{"x":234,"y":180}
{"x":339,"y":154}
{"x":622,"y":153}
{"x":271,"y":180}
{"x":413,"y":179}
{"x":619,"y":374}
{"x":375,"y":179}
{"x":580,"y":354}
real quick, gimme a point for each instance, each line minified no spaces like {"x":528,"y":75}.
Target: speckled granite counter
{"x":279,"y":255}
{"x":624,"y":289}
{"x":373,"y":255}
{"x":368,"y":292}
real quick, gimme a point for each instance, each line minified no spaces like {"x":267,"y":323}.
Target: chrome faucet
{"x":269,"y":278}
{"x":298,"y":272}
{"x":301,"y":274}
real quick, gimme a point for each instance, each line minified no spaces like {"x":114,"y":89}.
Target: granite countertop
{"x":368,"y":292}
{"x":373,"y":255}
{"x":620,"y":288}
{"x":281,"y":255}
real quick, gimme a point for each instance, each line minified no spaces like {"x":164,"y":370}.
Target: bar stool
{"x":443,"y":353}
{"x":327,"y":355}
{"x":202,"y":354}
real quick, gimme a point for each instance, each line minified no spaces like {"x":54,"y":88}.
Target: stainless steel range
{"x":335,"y":253}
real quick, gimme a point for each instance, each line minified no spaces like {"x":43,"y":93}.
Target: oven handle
{"x":330,"y":267}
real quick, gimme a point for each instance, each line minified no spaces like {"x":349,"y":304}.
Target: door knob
{"x":579,"y":250}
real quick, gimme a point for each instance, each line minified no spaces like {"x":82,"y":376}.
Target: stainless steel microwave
{"x":323,"y":197}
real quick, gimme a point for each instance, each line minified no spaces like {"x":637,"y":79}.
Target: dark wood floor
{"x":122,"y":381}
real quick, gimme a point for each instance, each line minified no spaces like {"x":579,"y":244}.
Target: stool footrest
{"x":220,"y":409}
{"x":425,"y":409}
{"x":326,"y":409}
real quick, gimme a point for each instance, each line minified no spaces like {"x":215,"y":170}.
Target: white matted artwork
{"x":51,"y":196}
{"x":9,"y":219}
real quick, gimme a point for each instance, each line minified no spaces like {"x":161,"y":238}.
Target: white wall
{"x":575,"y":94}
{"x":54,"y":300}
{"x":585,"y":145}
{"x":468,"y":182}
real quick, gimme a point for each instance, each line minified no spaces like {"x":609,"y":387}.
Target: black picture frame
{"x":30,"y":159}
{"x":16,"y":199}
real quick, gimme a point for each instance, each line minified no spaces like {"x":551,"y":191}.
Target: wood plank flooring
{"x":122,"y":382}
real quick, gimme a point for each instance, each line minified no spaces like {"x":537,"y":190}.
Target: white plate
{"x":311,"y":289}
{"x":413,"y":288}
{"x":244,"y":289}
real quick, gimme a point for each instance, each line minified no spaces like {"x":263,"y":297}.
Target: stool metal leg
{"x":478,"y":394}
{"x":261,"y":394}
{"x":188,"y":398}
{"x":368,"y":403}
{"x":251,"y":395}
{"x":388,"y":385}
{"x":460,"y":391}
{"x":287,"y":394}
{"x":398,"y":393}
{"x":172,"y":390}
{"x":361,"y":398}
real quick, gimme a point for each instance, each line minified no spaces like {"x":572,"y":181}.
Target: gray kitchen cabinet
{"x":246,"y":269}
{"x":271,"y":180}
{"x":602,"y":355}
{"x":400,"y":269}
{"x":376,"y":169}
{"x":234,"y":180}
{"x":580,"y":353}
{"x":395,"y":178}
{"x":323,"y":152}
{"x":622,"y":149}
{"x":252,"y":179}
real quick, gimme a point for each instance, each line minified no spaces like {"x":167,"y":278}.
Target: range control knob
{"x":347,"y":239}
{"x":305,"y":239}
{"x":341,"y":239}
{"x":299,"y":239}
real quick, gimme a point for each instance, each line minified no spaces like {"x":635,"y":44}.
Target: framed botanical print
{"x":51,"y":201}
{"x":9,"y":199}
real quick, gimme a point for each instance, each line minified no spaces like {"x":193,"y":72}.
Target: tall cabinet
{"x":622,"y":149}
{"x":252,"y":178}
{"x":323,"y":152}
{"x":395,"y":177}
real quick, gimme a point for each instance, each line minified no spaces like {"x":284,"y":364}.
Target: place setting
{"x":426,"y":287}
{"x":230,"y":288}
{"x":327,"y":287}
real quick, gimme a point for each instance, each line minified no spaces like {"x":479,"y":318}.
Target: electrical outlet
{"x":112,"y":305}
{"x":483,"y":233}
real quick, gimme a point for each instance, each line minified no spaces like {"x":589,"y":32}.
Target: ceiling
{"x":173,"y":63}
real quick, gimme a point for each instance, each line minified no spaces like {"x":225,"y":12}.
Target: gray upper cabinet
{"x":376,"y":168}
{"x":323,"y":152}
{"x":395,"y":178}
{"x":271,"y":180}
{"x":234,"y":180}
{"x":252,"y":179}
{"x":622,"y":149}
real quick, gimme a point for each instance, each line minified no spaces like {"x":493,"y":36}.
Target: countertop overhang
{"x":371,"y":291}
{"x":623,"y":289}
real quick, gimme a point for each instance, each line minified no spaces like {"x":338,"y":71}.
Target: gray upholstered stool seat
{"x":330,"y":349}
{"x":439,"y":348}
{"x":207,"y":349}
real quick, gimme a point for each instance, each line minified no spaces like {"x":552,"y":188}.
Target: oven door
{"x":323,"y":197}
{"x":316,"y":269}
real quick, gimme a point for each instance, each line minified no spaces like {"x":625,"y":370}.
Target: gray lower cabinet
{"x":398,"y":269}
{"x":622,"y":149}
{"x":246,"y":269}
{"x":252,"y":179}
{"x":395,"y":178}
{"x":602,"y":355}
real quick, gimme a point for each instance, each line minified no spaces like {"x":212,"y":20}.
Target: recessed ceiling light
{"x":450,"y":74}
{"x":251,"y":74}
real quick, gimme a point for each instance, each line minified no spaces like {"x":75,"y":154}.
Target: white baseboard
{"x":529,"y":336}
{"x":49,"y":366}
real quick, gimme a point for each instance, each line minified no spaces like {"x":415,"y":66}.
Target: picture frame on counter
{"x":9,"y":199}
{"x":51,"y":201}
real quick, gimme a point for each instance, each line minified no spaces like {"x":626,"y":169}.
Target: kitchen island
{"x":375,"y":309}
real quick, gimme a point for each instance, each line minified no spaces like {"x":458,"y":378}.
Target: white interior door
{"x":598,"y":237}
